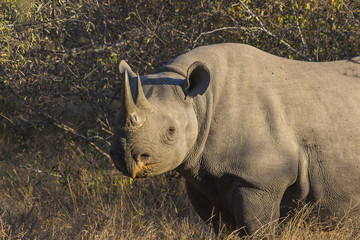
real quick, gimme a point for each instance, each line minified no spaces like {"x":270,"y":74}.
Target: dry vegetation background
{"x":58,"y":96}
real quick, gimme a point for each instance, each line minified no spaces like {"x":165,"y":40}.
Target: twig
{"x":257,"y":19}
{"x":193,"y":44}
{"x":16,"y":24}
{"x":298,"y":27}
{"x":106,"y":127}
{"x":30,"y":169}
{"x":272,"y":34}
{"x":2,"y":115}
{"x":96,"y":49}
{"x":351,"y":12}
{"x":71,"y":130}
{"x":66,"y":128}
{"x":137,"y":15}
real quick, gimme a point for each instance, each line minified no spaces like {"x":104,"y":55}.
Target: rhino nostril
{"x":145,"y":157}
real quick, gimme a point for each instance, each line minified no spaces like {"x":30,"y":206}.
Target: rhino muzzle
{"x":132,"y":162}
{"x":139,"y":161}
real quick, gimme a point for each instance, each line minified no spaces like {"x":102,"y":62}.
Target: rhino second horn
{"x":132,"y":112}
{"x":141,"y":101}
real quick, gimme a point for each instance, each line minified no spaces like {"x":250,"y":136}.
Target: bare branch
{"x":252,"y":29}
{"x":96,"y":49}
{"x":350,"y":11}
{"x":71,"y":130}
{"x":272,"y":34}
{"x":2,"y":115}
{"x":146,"y":26}
{"x":298,"y":27}
{"x":29,"y":168}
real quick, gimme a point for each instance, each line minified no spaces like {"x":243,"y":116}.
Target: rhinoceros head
{"x":157,"y":129}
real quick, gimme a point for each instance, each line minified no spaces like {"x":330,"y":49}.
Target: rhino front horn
{"x":132,"y":112}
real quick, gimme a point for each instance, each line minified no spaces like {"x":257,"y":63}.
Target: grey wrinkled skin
{"x":250,"y":132}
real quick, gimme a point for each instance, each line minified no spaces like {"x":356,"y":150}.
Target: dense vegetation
{"x":58,"y":97}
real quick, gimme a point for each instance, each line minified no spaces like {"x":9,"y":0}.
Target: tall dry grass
{"x":67,"y":192}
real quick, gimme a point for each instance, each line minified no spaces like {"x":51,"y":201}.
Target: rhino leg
{"x":255,"y":208}
{"x":202,"y":207}
{"x":208,"y":212}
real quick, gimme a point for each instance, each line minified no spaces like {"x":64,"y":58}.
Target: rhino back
{"x":316,"y":99}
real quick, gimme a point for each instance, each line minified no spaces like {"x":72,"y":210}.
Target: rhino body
{"x":251,"y":133}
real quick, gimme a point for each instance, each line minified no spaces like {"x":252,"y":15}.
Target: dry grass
{"x":78,"y":195}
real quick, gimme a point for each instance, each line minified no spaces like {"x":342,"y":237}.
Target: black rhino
{"x":250,"y":132}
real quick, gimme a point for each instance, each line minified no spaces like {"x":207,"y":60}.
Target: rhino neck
{"x":173,"y":69}
{"x":203,"y":107}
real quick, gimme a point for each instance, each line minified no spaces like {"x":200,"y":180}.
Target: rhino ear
{"x":123,"y":67}
{"x":197,"y":80}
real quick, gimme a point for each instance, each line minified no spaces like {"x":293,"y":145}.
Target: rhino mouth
{"x":142,"y":173}
{"x":132,"y":168}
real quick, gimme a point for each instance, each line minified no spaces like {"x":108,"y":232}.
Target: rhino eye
{"x":170,"y":135}
{"x":171,"y":131}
